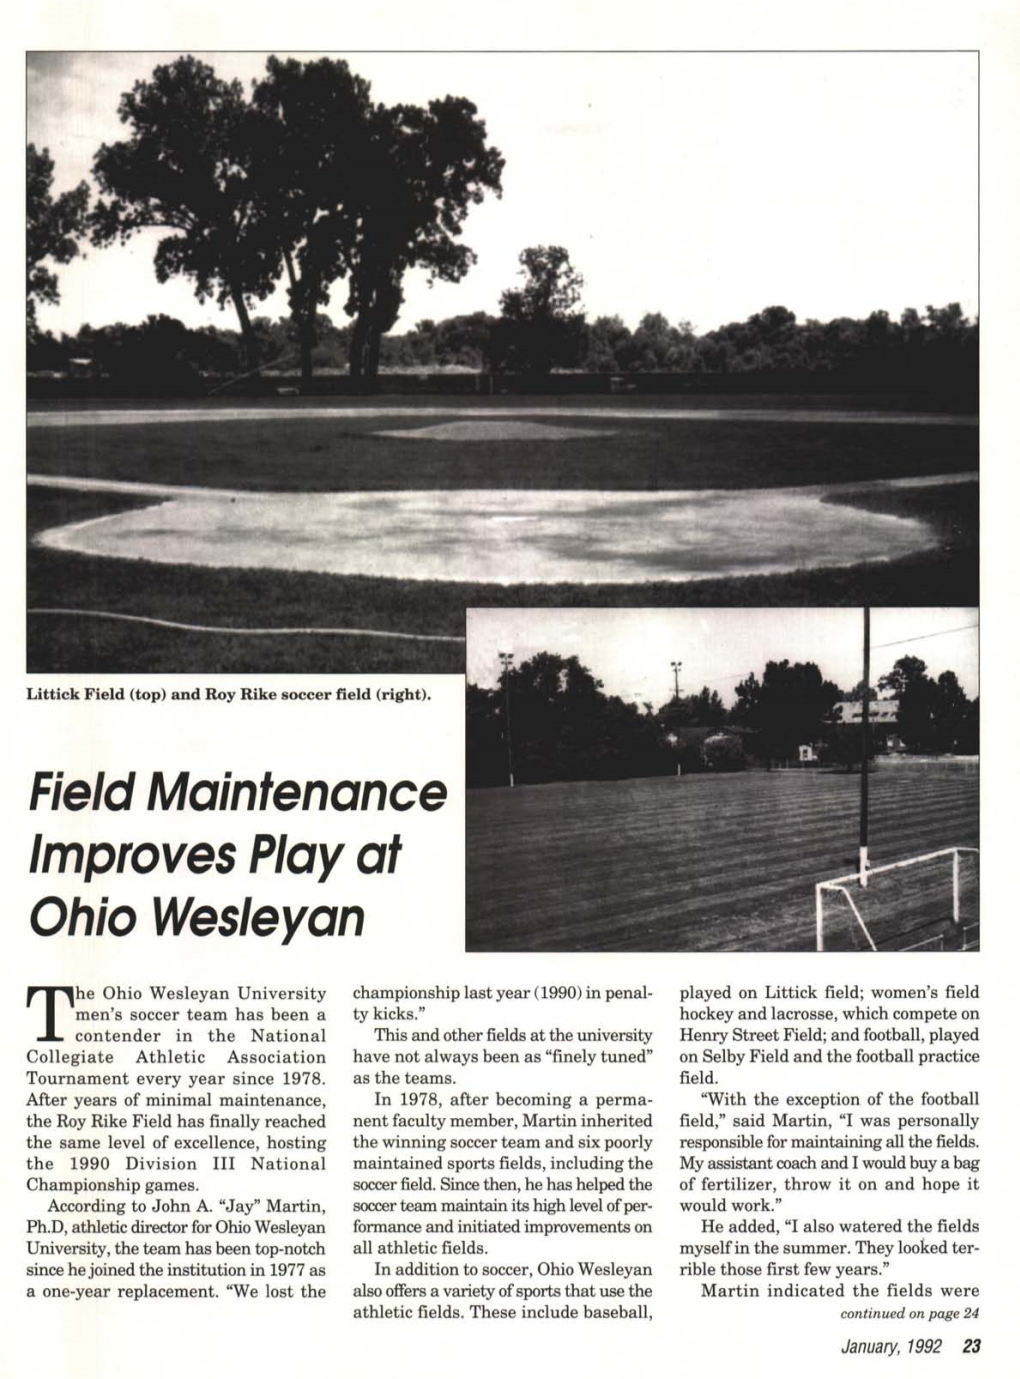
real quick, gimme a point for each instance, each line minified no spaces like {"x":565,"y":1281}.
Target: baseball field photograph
{"x":325,"y":349}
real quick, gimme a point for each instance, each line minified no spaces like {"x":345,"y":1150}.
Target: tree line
{"x":551,"y":719}
{"x":306,"y":180}
{"x":162,"y":345}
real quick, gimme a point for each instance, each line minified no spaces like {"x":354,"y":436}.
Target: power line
{"x":743,"y":674}
{"x":903,"y":641}
{"x":924,"y":636}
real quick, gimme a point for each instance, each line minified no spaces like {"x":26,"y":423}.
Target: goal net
{"x":927,"y":902}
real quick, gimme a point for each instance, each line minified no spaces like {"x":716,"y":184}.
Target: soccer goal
{"x":926,"y":902}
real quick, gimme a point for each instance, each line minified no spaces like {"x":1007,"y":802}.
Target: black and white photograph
{"x":722,"y":780}
{"x":325,"y":349}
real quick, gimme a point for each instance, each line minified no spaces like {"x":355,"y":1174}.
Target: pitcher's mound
{"x":493,"y":431}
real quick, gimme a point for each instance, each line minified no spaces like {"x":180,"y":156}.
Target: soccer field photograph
{"x":321,"y":356}
{"x":719,"y":780}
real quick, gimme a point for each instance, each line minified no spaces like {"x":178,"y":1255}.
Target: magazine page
{"x":493,"y":693}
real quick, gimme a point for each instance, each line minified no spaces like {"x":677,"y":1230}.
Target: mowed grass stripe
{"x":770,"y":918}
{"x":666,"y":823}
{"x":703,"y":864}
{"x":301,"y":454}
{"x":620,"y":865}
{"x":829,"y":839}
{"x":675,"y":913}
{"x":771,"y":914}
{"x":662,"y":815}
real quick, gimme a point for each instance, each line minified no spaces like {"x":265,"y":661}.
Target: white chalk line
{"x":143,"y":489}
{"x":150,"y":417}
{"x":243,"y":631}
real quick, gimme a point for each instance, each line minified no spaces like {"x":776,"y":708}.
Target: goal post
{"x":895,"y":911}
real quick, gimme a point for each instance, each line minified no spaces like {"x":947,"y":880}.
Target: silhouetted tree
{"x":429,"y":166}
{"x":702,"y":710}
{"x":186,"y":168}
{"x":907,"y":670}
{"x":790,"y":705}
{"x":934,"y":715}
{"x":540,"y":327}
{"x":312,"y":169}
{"x":563,"y":727}
{"x":55,"y":225}
{"x":607,"y":345}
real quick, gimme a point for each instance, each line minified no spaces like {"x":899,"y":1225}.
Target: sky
{"x":631,"y":649}
{"x":702,"y":185}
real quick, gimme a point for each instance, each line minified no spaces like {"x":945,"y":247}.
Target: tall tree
{"x":540,"y":327}
{"x":933,"y":715}
{"x":907,"y":671}
{"x":429,"y":166}
{"x":790,"y":705}
{"x":608,"y":345}
{"x":950,"y":707}
{"x":564,"y":727}
{"x":311,"y":157}
{"x":54,"y":226}
{"x":186,"y":168}
{"x":658,"y":345}
{"x":969,"y":737}
{"x":349,"y":189}
{"x":702,"y":710}
{"x":915,"y":693}
{"x":946,"y":320}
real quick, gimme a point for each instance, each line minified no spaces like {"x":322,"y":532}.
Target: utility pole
{"x":507,"y":660}
{"x":676,"y":678}
{"x":865,"y":743}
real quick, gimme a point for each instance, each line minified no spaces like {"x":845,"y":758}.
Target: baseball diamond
{"x":394,"y":519}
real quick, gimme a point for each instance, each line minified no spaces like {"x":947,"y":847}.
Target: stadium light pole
{"x":507,"y":660}
{"x":676,"y":678}
{"x":865,"y":736}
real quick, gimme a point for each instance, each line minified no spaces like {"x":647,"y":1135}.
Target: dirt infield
{"x":500,"y":537}
{"x":707,"y":864}
{"x":197,"y":516}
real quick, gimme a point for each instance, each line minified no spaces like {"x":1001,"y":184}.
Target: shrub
{"x":723,"y":752}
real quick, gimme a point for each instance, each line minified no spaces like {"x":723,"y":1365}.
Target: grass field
{"x":704,"y":863}
{"x":874,"y":403}
{"x":306,"y":454}
{"x":231,"y":598}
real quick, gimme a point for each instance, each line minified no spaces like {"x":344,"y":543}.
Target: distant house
{"x":883,"y":711}
{"x":883,"y":721}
